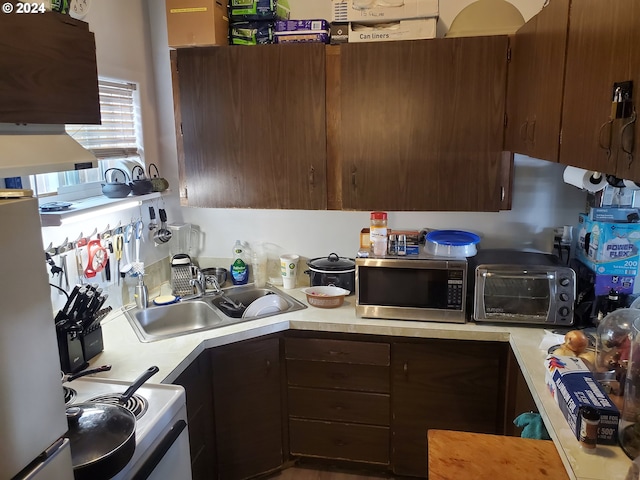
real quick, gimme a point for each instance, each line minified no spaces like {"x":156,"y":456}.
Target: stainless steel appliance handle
{"x":519,"y":276}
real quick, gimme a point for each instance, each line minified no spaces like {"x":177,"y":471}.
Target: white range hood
{"x":32,"y":149}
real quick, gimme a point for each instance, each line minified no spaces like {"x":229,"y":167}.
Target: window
{"x":116,"y":142}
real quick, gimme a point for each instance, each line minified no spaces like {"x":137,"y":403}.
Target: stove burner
{"x":69,"y":395}
{"x":136,"y":404}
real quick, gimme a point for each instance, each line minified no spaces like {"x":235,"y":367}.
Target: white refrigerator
{"x":32,"y":409}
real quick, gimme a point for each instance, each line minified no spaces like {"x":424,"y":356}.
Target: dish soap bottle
{"x":239,"y":269}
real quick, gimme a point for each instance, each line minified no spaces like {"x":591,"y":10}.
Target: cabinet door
{"x":422,"y":124}
{"x":443,"y":384}
{"x":253,"y":126}
{"x":196,"y":380}
{"x":597,"y":56}
{"x":536,"y":79}
{"x":248,"y":411}
{"x":629,"y":167}
{"x":48,"y":65}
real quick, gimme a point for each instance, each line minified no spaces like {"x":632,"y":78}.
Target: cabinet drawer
{"x":339,"y":351}
{"x":359,"y":443}
{"x":342,"y":406}
{"x":367,"y":378}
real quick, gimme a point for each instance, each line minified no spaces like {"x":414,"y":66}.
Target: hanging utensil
{"x":118,"y":246}
{"x":64,"y":276}
{"x":79,"y":262}
{"x":137,"y":267}
{"x":128,"y":235}
{"x":163,"y":235}
{"x":97,"y":260}
{"x":152,"y":222}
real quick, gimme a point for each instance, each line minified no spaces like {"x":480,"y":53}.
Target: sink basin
{"x":247,"y":294}
{"x":204,"y":313}
{"x":172,"y":320}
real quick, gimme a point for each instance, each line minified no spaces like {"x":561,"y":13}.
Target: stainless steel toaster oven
{"x":522,"y":287}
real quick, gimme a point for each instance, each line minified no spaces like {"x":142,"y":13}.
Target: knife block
{"x":91,"y":341}
{"x":71,"y":351}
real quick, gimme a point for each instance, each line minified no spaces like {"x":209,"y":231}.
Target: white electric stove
{"x":162,"y":440}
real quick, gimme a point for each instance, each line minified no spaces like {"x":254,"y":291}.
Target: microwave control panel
{"x":455,"y":289}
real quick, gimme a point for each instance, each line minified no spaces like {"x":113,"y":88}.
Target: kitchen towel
{"x":533,"y":426}
{"x":586,"y":179}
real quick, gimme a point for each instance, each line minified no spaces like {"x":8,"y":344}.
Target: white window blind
{"x":117,"y":142}
{"x":117,"y":136}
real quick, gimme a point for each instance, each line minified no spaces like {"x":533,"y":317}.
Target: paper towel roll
{"x":586,"y":179}
{"x":631,"y":185}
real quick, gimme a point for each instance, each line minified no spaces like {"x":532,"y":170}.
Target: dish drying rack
{"x":181,"y":275}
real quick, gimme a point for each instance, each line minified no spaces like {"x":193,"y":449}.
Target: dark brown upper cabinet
{"x":536,"y":82}
{"x":601,"y":50}
{"x":421,"y":125}
{"x":253,"y":126}
{"x":48,"y":70}
{"x":412,"y":125}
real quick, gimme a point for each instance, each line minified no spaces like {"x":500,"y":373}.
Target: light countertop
{"x":129,"y":358}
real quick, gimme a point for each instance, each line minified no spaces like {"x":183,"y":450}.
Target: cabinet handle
{"x":531,"y":137}
{"x":354,"y":170}
{"x":335,"y":353}
{"x":405,"y":368}
{"x":523,"y":131}
{"x":268,"y":365}
{"x":628,"y":151}
{"x":312,"y":176}
{"x":607,"y":147}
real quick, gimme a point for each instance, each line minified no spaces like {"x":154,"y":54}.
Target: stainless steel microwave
{"x":412,"y":288}
{"x":522,"y":287}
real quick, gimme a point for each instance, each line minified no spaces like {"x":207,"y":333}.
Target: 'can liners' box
{"x":413,"y":29}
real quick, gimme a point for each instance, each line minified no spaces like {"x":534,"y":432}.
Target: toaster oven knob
{"x":564,"y":297}
{"x":565,"y":281}
{"x":564,"y":311}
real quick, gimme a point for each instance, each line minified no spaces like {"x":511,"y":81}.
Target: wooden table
{"x":462,"y":455}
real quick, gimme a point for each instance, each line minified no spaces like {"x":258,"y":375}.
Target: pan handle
{"x":148,"y":373}
{"x":103,"y":368}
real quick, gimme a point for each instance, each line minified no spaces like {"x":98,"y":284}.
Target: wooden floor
{"x":302,"y":473}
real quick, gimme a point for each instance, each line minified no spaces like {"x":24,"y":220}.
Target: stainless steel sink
{"x":204,"y":313}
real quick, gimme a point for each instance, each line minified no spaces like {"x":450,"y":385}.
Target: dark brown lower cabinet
{"x":443,"y":384}
{"x":247,"y":408}
{"x":196,"y":380}
{"x":338,"y":399}
{"x":345,"y":399}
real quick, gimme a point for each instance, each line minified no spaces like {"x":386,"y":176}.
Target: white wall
{"x":132,"y":45}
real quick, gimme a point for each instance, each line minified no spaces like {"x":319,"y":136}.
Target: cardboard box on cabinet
{"x":382,"y":10}
{"x":197,"y":22}
{"x":412,"y":29}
